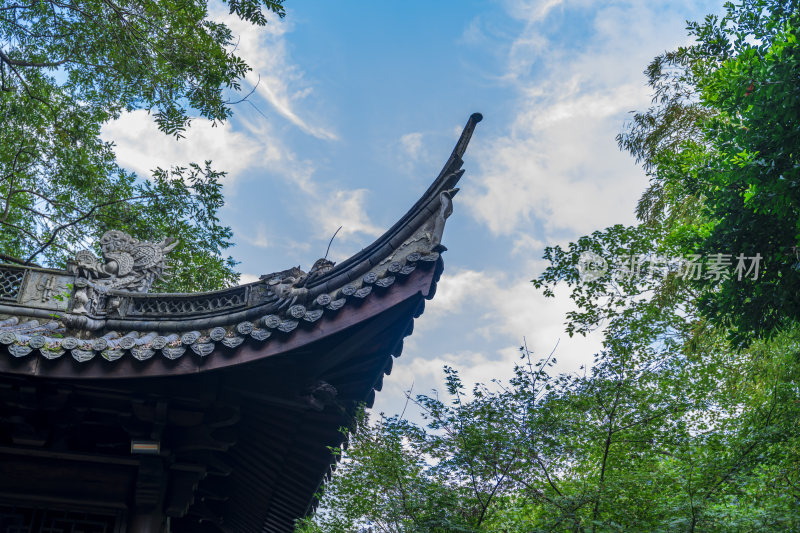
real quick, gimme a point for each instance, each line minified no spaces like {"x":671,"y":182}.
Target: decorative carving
{"x":363,"y":292}
{"x":407,"y":270}
{"x":288,"y":286}
{"x":260,"y":294}
{"x":127,"y":342}
{"x":127,"y":265}
{"x":173,"y":352}
{"x":190,"y":337}
{"x":272,"y":321}
{"x":37,"y":341}
{"x":312,"y":316}
{"x":232,"y":342}
{"x":69,"y":343}
{"x":385,"y":282}
{"x":434,"y":227}
{"x":10,"y":283}
{"x":19,"y":350}
{"x":158,"y":342}
{"x":260,"y":334}
{"x":203,"y":348}
{"x":112,"y":355}
{"x":51,"y":353}
{"x":142,"y":354}
{"x":244,"y":328}
{"x":287,"y":326}
{"x":297,"y":311}
{"x":318,"y":395}
{"x":82,"y":356}
{"x":217,"y":334}
{"x":99,"y":344}
{"x":321,"y":267}
{"x":335,"y":305}
{"x":45,"y":287}
{"x":188,"y":304}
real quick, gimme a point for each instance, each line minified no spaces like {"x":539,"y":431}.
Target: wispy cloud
{"x":532,"y":10}
{"x":412,"y":144}
{"x":256,"y":236}
{"x":345,"y":208}
{"x":558,"y":167}
{"x":254,"y":146}
{"x":279,"y":81}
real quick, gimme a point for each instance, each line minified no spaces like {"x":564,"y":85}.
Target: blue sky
{"x":358,"y":104}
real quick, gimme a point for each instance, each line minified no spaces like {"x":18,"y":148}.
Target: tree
{"x":720,"y":145}
{"x":649,"y":438}
{"x":633,"y":444}
{"x":66,"y":68}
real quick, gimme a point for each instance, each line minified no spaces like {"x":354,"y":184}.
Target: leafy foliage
{"x":66,"y":68}
{"x":636,"y":443}
{"x":720,"y":145}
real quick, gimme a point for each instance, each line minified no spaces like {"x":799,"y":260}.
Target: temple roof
{"x":221,"y":319}
{"x":244,"y":390}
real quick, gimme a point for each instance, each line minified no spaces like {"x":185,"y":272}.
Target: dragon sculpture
{"x":127,"y":265}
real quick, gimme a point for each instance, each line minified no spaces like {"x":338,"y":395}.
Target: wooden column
{"x":148,"y":510}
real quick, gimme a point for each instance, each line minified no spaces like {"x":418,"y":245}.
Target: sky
{"x":357,"y":105}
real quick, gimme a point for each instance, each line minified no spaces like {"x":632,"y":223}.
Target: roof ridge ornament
{"x":127,"y":264}
{"x":436,"y":228}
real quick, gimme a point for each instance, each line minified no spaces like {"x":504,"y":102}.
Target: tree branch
{"x":86,"y":215}
{"x":20,"y":63}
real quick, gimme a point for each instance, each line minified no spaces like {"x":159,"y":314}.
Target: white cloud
{"x":256,"y":236}
{"x":344,"y":208}
{"x":473,"y":367}
{"x":473,"y":33}
{"x":511,"y":308}
{"x":412,"y":144}
{"x":486,"y":308}
{"x":558,"y":165}
{"x":525,"y":244}
{"x":141,"y":147}
{"x":248,"y":278}
{"x":275,"y":78}
{"x":500,"y":307}
{"x":253,"y":146}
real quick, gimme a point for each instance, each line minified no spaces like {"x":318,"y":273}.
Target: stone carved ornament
{"x":127,"y":265}
{"x":289,"y":285}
